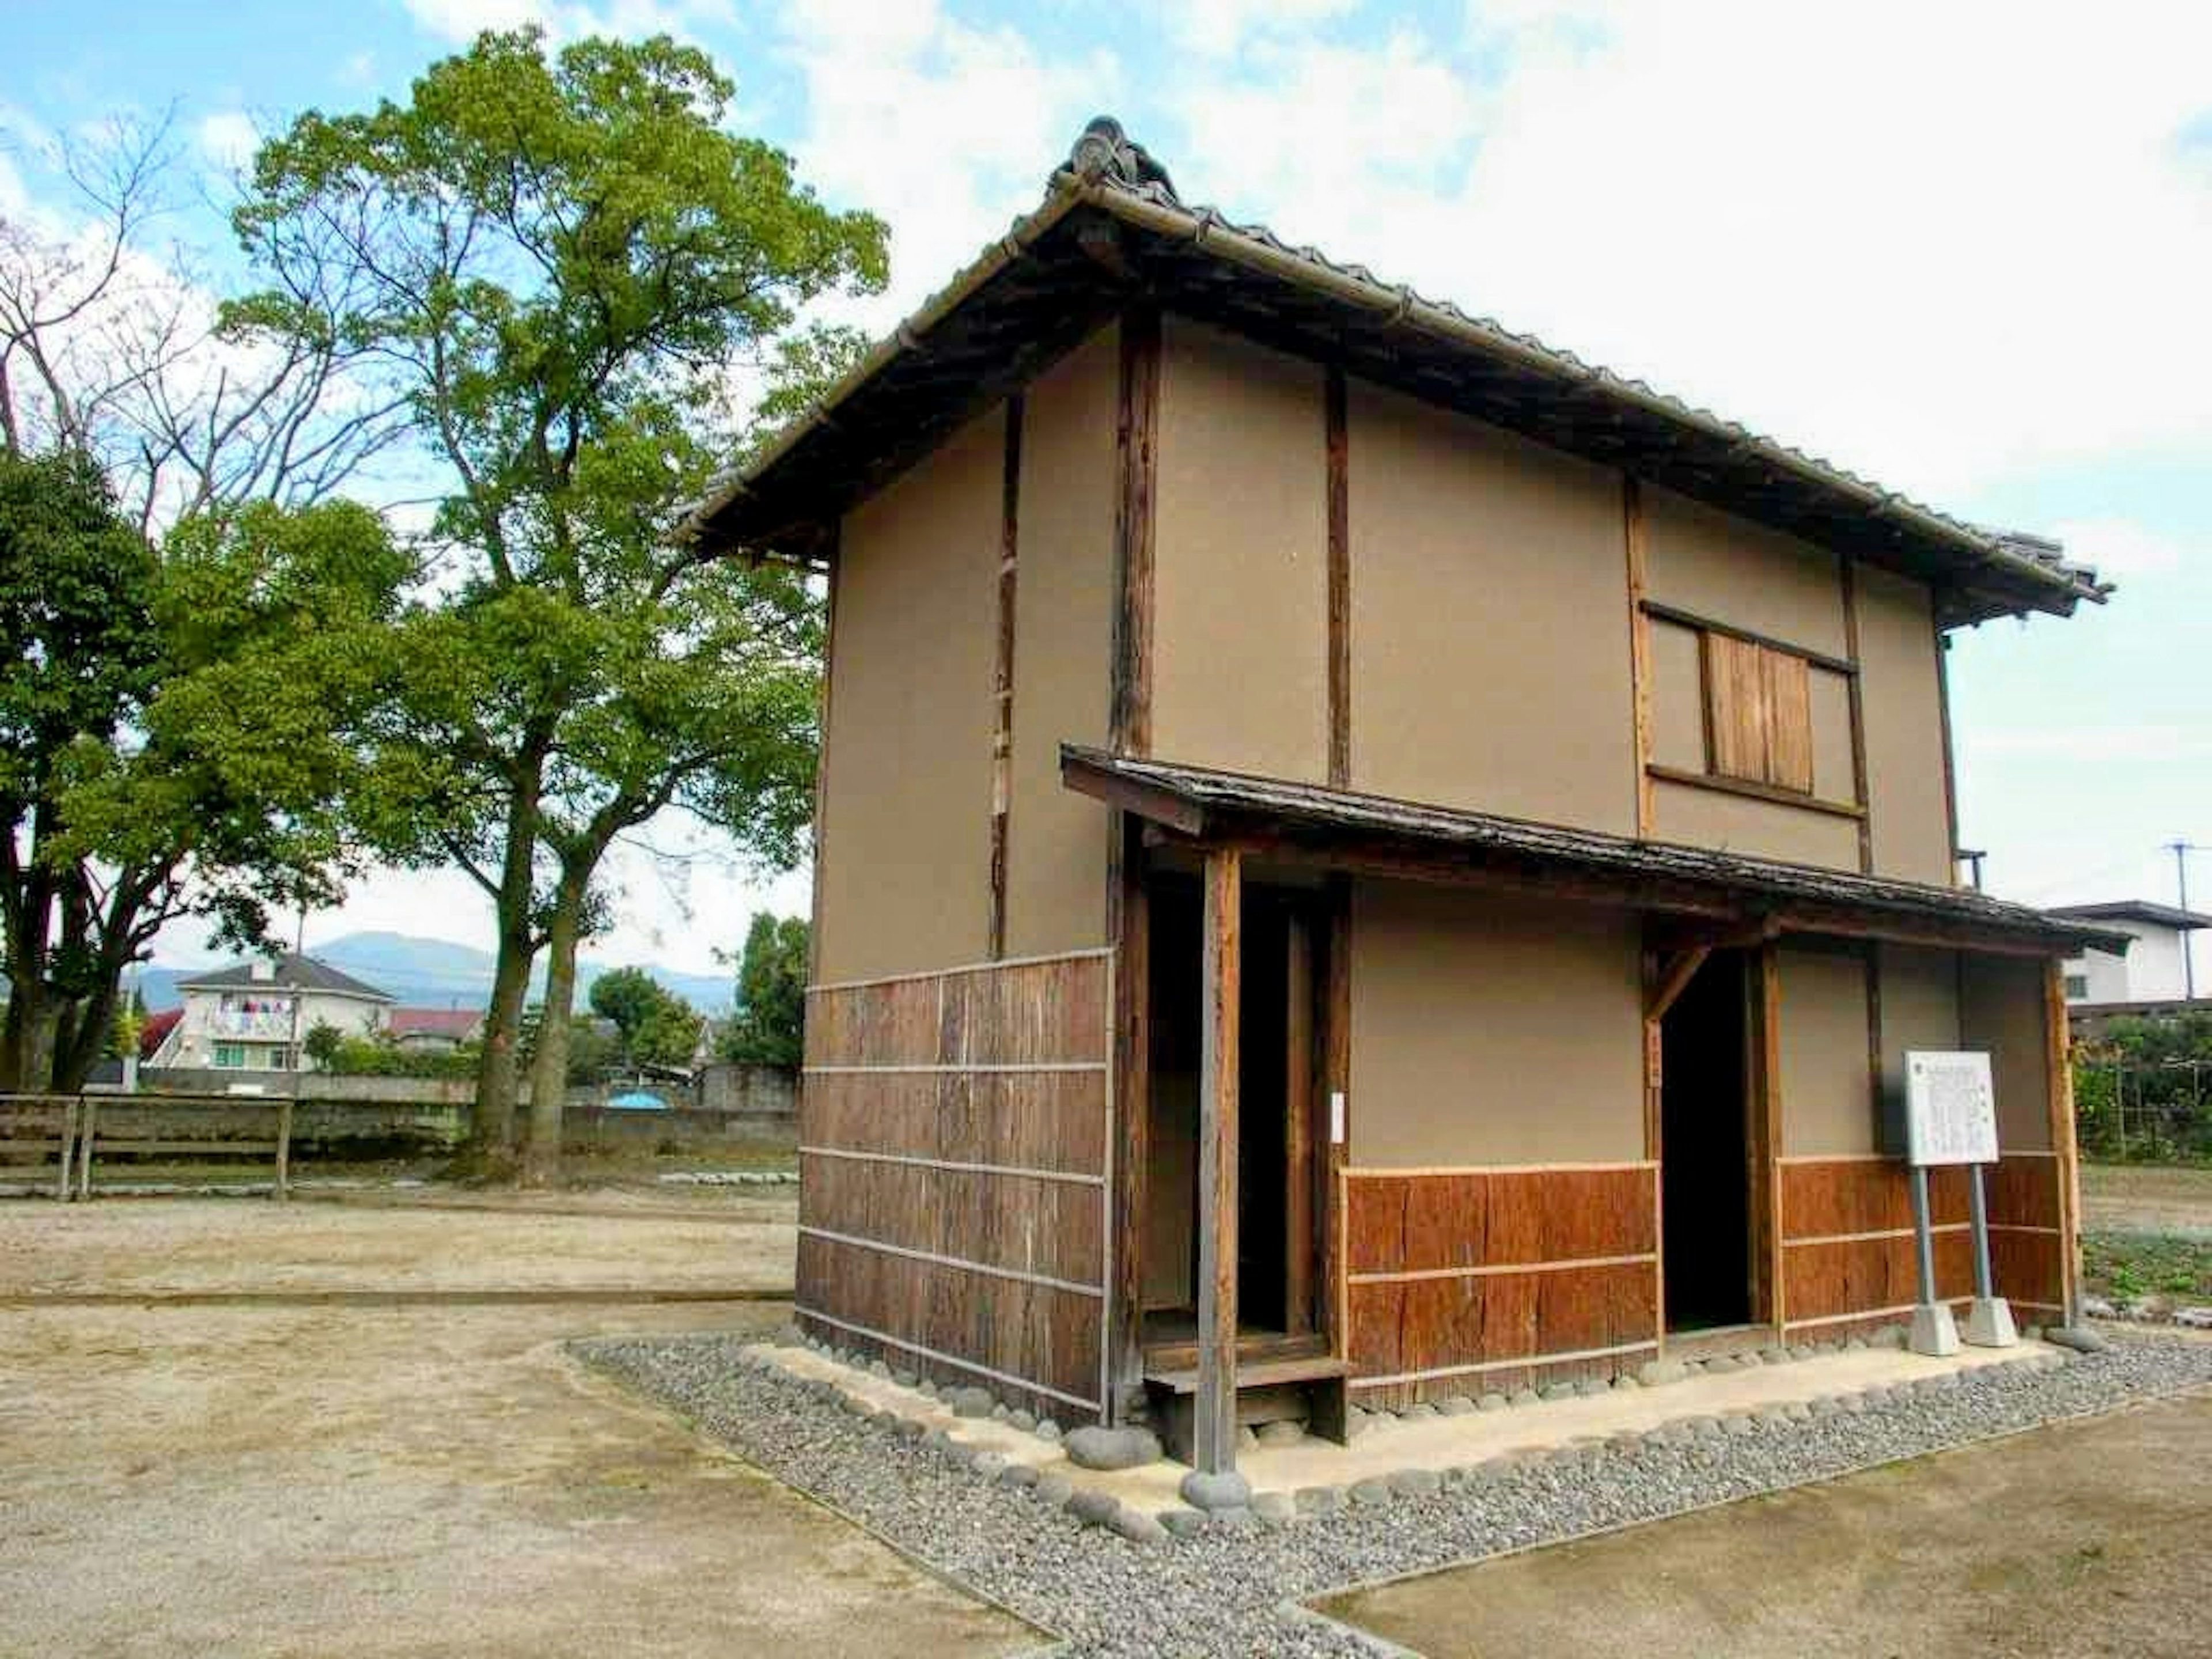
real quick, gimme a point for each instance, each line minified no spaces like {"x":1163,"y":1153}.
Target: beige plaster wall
{"x":907,"y":801}
{"x":1731,"y":570}
{"x":1492,"y":1029}
{"x":1741,"y":824}
{"x":1827,"y":1096}
{"x":1490,"y":664}
{"x":1919,"y":1010}
{"x":1678,"y":698}
{"x":1064,"y":600}
{"x":1904,"y":729}
{"x":2002,"y":1010}
{"x":1240,"y":642}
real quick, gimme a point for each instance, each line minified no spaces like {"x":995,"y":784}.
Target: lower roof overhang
{"x":1343,"y":829}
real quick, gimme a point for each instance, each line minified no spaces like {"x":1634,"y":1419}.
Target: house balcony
{"x":268,"y":1027}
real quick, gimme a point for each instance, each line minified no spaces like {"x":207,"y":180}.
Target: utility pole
{"x":2181,"y":850}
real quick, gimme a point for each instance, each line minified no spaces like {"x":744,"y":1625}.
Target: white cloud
{"x":2120,"y":547}
{"x":228,"y":138}
{"x":1220,"y":28}
{"x":462,"y":20}
{"x":948,"y":130}
{"x":1939,"y":244}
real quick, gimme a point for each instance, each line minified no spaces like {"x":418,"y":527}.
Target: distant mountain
{"x":437,"y":973}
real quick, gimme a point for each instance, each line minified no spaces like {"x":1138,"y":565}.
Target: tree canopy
{"x":769,"y":1028}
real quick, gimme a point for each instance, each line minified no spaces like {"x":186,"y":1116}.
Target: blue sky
{"x":1962,"y":250}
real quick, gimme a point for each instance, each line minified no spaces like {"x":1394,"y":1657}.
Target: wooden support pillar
{"x":2060,"y":1080}
{"x":1767,"y":1141}
{"x":1215,"y":1426}
{"x":1301,"y":1066}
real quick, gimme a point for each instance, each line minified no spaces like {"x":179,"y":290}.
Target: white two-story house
{"x":254,"y":1016}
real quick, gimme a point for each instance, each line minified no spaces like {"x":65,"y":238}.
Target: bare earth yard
{"x":2146,"y":1198}
{"x":2091,"y":1538}
{"x":436,"y":1480}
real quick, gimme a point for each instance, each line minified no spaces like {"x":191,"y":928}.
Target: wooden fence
{"x":73,"y":1131}
{"x":953,"y":1161}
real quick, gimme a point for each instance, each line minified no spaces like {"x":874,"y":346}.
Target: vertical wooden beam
{"x":1300,"y":1068}
{"x":1634,"y":538}
{"x":1336,"y":425}
{"x":821,"y":838}
{"x":1215,"y":1439}
{"x":1336,"y":1082}
{"x":1136,"y":452}
{"x":69,"y":1148}
{"x":284,"y":1147}
{"x":1002,"y":674}
{"x":1950,"y":773}
{"x":2059,"y":1079}
{"x":1655,"y":1139}
{"x":1767,"y":1190}
{"x":1128,"y":910}
{"x":1847,"y":578}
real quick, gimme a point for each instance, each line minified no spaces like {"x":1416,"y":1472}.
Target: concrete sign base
{"x":1934,"y":1332}
{"x":1989,"y":1324}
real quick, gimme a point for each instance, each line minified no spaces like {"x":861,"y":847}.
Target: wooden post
{"x":1338,"y":445}
{"x":1768,"y":1187}
{"x":1299,"y":1065}
{"x":84,"y":1148}
{"x":1129,"y":925}
{"x":2060,"y":1082}
{"x":69,"y":1148}
{"x":1848,"y":579}
{"x":1634,"y":535}
{"x":1220,"y":986}
{"x":284,"y":1149}
{"x":1336,"y":1079}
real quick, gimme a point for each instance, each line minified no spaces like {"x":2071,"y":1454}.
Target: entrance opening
{"x":1274,"y":1072}
{"x":1706,"y":1148}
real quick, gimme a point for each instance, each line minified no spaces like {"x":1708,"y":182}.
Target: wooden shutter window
{"x":1759,"y":714}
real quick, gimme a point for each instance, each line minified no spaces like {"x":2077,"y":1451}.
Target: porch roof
{"x":1347,"y":829}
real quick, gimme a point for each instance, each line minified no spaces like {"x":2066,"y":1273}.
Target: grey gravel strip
{"x":1227,"y":1588}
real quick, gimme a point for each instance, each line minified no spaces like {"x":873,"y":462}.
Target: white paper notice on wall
{"x":1950,"y":1107}
{"x":1336,"y":1118}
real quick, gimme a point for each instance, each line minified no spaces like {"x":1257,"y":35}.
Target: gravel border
{"x":1232,"y":1586}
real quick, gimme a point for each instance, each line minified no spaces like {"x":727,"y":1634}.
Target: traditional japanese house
{"x":1360,"y":855}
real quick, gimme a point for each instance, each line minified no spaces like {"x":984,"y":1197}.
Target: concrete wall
{"x":2151,"y":971}
{"x":1240,"y":643}
{"x":906,"y":805}
{"x":1064,"y":600}
{"x":1488,"y":1030}
{"x":1490,"y":664}
{"x":1827,"y":1098}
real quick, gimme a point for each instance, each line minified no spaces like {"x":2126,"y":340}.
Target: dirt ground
{"x":450,"y":1242}
{"x":2145,"y":1198}
{"x":2089,"y":1537}
{"x":297,"y":1479}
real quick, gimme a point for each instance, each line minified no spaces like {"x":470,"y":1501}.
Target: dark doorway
{"x":1273,"y":1087}
{"x":1705,"y":1147}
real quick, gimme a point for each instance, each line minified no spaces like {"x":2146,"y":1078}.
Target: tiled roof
{"x":292,"y":972}
{"x":1757,"y":476}
{"x":458,"y":1023}
{"x":2163,"y":915}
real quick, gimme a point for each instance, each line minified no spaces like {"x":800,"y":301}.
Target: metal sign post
{"x":1951,"y":1118}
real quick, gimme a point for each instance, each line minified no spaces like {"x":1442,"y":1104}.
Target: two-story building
{"x":2155,"y":977}
{"x":1359,"y":854}
{"x":255,"y":1015}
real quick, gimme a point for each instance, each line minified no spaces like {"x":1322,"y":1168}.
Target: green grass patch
{"x":2121,"y":1266}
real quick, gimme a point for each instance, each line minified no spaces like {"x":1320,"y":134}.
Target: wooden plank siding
{"x":1459,"y":1280}
{"x":955,"y":1170}
{"x":1848,"y":1247}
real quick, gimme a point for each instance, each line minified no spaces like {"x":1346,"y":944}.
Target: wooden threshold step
{"x":1260,"y":1374}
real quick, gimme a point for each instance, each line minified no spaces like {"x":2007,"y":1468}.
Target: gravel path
{"x":1228,"y":1590}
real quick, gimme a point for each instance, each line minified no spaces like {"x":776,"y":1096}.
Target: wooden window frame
{"x":1758,"y":704}
{"x":1708,"y":629}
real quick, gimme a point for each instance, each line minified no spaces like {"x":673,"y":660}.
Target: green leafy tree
{"x":561,"y":258}
{"x":323,"y":1044}
{"x":174,"y":726}
{"x":658,"y":1027}
{"x":769,"y":1028}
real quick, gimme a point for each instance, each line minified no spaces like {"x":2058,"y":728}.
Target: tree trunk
{"x":548,"y":1071}
{"x":28,"y":1057}
{"x":493,"y":1137}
